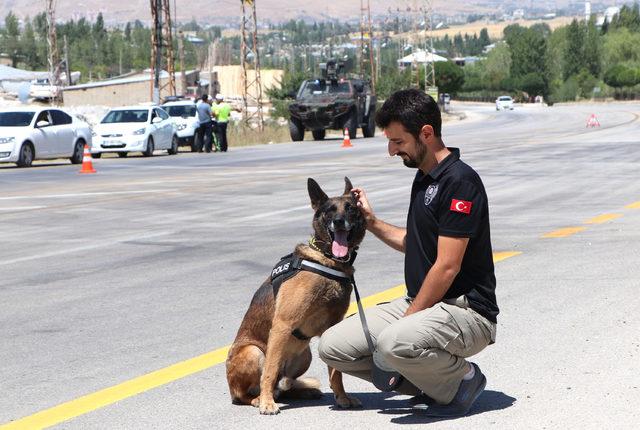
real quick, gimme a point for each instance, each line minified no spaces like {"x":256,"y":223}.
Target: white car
{"x":134,"y":129}
{"x":185,"y":116}
{"x":41,"y":89}
{"x":504,"y":103}
{"x":28,"y":134}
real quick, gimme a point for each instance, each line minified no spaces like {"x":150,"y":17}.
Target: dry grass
{"x":495,"y":29}
{"x":239,"y":134}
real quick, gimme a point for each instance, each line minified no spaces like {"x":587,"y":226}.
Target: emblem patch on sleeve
{"x":461,"y":206}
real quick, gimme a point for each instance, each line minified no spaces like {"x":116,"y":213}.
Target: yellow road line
{"x":499,"y":256}
{"x":635,"y":205}
{"x":132,"y":387}
{"x":99,"y":399}
{"x":602,"y":218}
{"x":564,"y":232}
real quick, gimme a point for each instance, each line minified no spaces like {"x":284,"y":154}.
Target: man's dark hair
{"x":205,"y":97}
{"x":413,"y":109}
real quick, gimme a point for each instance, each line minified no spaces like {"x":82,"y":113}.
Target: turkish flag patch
{"x":461,"y":206}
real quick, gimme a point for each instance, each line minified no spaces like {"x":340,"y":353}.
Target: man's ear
{"x":347,"y":187}
{"x":318,"y":197}
{"x":426,"y":132}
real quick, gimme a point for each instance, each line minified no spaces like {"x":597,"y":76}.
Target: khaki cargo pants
{"x":428,"y":347}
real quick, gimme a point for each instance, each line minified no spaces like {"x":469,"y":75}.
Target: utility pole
{"x":52,"y":57}
{"x":429,"y":68}
{"x":250,"y":60}
{"x":366,"y":28}
{"x":67,"y":67}
{"x":415,"y":65}
{"x":183,"y":75}
{"x":161,"y":42}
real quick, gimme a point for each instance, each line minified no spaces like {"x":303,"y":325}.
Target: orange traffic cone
{"x":87,"y":165}
{"x":346,"y":142}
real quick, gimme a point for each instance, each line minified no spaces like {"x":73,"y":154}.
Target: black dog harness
{"x":290,"y":265}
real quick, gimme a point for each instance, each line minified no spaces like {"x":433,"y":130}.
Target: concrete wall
{"x":119,"y":93}
{"x":230,"y":78}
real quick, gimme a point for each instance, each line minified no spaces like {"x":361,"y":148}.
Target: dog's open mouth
{"x":340,"y":244}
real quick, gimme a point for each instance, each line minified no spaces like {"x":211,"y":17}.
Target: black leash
{"x":384,"y":377}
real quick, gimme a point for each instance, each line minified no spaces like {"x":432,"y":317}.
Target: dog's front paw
{"x":269,"y":408}
{"x":346,"y":401}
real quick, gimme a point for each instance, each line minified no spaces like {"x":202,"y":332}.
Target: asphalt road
{"x":151,"y":262}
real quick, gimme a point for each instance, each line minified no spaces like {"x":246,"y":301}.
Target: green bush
{"x":622,"y":76}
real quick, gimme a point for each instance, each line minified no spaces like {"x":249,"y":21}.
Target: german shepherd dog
{"x":272,"y":345}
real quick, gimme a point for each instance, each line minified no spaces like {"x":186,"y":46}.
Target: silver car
{"x":28,"y":134}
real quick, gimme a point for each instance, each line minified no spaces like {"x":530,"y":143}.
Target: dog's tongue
{"x":340,"y":247}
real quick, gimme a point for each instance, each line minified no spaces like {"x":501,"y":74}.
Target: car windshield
{"x":320,"y":86}
{"x":15,"y":119}
{"x":138,"y":115}
{"x":184,"y":110}
{"x":505,"y":99}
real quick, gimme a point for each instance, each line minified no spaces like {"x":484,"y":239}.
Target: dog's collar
{"x":349,"y":258}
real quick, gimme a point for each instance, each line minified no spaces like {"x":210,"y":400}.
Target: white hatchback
{"x":185,"y":116}
{"x":28,"y":134}
{"x":504,"y":103}
{"x":134,"y":129}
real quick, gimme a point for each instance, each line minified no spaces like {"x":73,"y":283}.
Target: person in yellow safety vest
{"x":222,"y":113}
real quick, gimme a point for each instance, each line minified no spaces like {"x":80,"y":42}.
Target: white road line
{"x":62,"y":196}
{"x":22,"y":208}
{"x":308,"y":207}
{"x":101,"y":244}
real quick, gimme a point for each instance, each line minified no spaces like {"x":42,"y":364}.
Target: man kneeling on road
{"x":450,"y":309}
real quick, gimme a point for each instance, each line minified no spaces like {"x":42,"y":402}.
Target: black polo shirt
{"x":451,"y":201}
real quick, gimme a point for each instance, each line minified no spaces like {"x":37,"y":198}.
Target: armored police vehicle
{"x":332,"y":102}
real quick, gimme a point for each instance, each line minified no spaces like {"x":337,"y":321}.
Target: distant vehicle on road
{"x":504,"y":103}
{"x":446,"y":98}
{"x":333,"y":103}
{"x":28,"y":134}
{"x":135,"y":129}
{"x":185,"y":117}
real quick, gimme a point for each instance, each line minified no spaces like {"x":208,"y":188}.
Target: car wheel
{"x":174,"y":146}
{"x":150,"y":148}
{"x":352,"y":124}
{"x":97,"y":155}
{"x":319,"y":134}
{"x":370,"y":129}
{"x":123,"y":154}
{"x":296,"y":130}
{"x":78,"y":153}
{"x":25,"y":159}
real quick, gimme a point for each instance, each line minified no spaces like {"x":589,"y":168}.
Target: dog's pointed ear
{"x":347,"y":187}
{"x":318,"y":197}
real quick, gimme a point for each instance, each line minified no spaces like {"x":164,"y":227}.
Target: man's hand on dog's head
{"x":363,"y":204}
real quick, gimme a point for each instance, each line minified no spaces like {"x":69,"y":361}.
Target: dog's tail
{"x":300,"y":388}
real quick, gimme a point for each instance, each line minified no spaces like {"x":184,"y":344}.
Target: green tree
{"x":449,"y":77}
{"x":484,"y":38}
{"x":574,"y":50}
{"x":30,"y":47}
{"x":497,"y":67}
{"x":592,"y":48}
{"x":11,"y":38}
{"x":620,"y":76}
{"x":528,"y":49}
{"x":621,"y":46}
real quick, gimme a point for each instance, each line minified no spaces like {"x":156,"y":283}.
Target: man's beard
{"x":421,"y":153}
